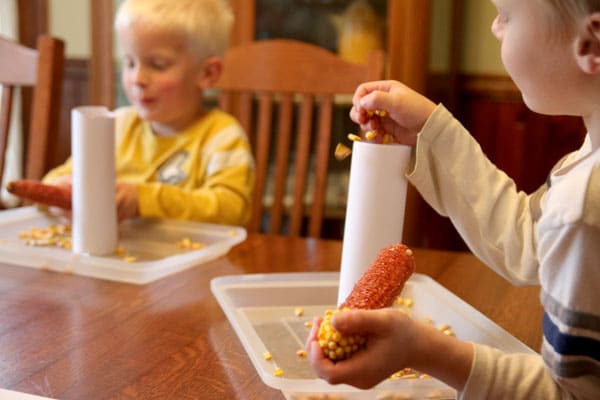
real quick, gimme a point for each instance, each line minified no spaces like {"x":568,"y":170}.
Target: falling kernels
{"x":341,"y":151}
{"x":354,"y":137}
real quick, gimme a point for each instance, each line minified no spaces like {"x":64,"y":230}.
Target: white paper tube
{"x":375,"y":207}
{"x":95,"y":230}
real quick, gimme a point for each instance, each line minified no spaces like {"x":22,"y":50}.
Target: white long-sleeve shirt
{"x":549,"y":238}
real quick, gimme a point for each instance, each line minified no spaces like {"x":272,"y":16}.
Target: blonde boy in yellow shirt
{"x":174,"y":159}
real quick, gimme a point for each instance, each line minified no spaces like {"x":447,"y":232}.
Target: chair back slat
{"x":279,"y":88}
{"x":41,"y":68}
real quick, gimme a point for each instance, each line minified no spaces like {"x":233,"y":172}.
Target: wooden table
{"x":72,"y":337}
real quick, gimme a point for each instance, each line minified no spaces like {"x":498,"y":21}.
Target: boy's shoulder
{"x":575,"y":198}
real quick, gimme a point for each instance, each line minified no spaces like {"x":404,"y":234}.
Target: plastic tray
{"x":153,"y":243}
{"x":261,"y":309}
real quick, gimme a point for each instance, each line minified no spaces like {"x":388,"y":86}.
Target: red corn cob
{"x":379,"y":287}
{"x":38,"y":192}
{"x":383,"y":281}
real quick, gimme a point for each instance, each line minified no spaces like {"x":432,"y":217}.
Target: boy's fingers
{"x":363,"y":322}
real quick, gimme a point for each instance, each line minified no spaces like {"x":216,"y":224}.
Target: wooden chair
{"x":291,"y":84}
{"x":42,"y":69}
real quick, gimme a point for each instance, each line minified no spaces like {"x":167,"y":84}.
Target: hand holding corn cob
{"x":379,"y":286}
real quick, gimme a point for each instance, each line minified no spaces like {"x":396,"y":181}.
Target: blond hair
{"x":566,"y":12}
{"x":206,"y":23}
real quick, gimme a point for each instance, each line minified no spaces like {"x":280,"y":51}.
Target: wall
{"x":69,"y":19}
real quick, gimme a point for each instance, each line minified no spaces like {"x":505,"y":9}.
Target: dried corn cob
{"x":377,"y":288}
{"x":51,"y":195}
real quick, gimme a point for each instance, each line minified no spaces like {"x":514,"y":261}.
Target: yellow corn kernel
{"x":381,"y":113}
{"x":408,"y":302}
{"x":278,"y":372}
{"x":354,"y":137}
{"x":341,"y":151}
{"x":198,"y":245}
{"x":387,"y":139}
{"x":129,"y":259}
{"x":335,"y":346}
{"x":267,"y":356}
{"x":299,"y":311}
{"x":301,"y":353}
{"x":308,"y":324}
{"x":184,"y":243}
{"x":370,"y":135}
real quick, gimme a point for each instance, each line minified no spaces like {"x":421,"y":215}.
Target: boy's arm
{"x":456,"y":178}
{"x":497,"y":375}
{"x":224,"y":198}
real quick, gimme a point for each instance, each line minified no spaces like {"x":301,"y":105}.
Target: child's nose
{"x":496,"y":29}
{"x":140,"y":75}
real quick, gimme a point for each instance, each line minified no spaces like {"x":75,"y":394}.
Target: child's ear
{"x":211,"y":72}
{"x":588,"y":45}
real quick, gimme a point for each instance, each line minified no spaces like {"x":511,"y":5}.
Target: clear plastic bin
{"x":262,"y":310}
{"x":152,"y":244}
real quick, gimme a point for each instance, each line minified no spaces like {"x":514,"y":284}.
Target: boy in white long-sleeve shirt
{"x":551,"y":49}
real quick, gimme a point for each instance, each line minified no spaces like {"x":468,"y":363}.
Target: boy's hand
{"x":407,"y":110}
{"x":66,"y":181}
{"x":391,"y":339}
{"x":127,"y":201}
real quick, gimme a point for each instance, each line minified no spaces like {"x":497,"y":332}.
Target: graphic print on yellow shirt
{"x":172,"y":170}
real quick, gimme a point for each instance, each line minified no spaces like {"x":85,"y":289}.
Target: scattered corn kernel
{"x":408,"y":302}
{"x":187,"y":243}
{"x":341,"y":151}
{"x":301,"y":353}
{"x":354,"y":137}
{"x":299,"y":311}
{"x":129,"y":259}
{"x":58,"y":235}
{"x":308,"y":324}
{"x":267,"y":356}
{"x":278,"y":372}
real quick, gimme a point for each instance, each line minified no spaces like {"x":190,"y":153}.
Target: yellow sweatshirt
{"x":204,"y":173}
